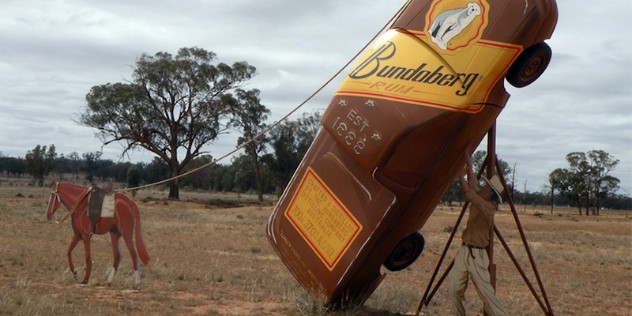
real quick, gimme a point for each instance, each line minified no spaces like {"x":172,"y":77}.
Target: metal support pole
{"x":491,"y":164}
{"x":425,"y":300}
{"x":490,"y":167}
{"x":548,"y":310}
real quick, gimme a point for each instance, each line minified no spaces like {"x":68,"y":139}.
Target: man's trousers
{"x":472,"y":262}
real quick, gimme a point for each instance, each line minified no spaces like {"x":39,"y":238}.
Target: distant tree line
{"x":585,"y":184}
{"x":288,"y":143}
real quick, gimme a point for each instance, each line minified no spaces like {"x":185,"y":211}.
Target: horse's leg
{"x":117,"y":256}
{"x":86,"y":248}
{"x":73,"y":242}
{"x":129,"y":242}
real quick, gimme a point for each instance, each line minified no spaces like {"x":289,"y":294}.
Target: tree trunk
{"x":252,"y":152}
{"x":587,"y":209}
{"x":258,"y":179}
{"x":174,"y":188}
{"x":596,"y":203}
{"x":552,"y":200}
{"x":255,"y":162}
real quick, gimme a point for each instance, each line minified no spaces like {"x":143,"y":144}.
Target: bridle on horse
{"x":57,"y":200}
{"x":55,"y":192}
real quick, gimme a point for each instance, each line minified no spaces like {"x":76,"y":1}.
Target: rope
{"x":275,"y":124}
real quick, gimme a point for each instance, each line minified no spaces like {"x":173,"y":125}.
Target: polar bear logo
{"x":451,"y":23}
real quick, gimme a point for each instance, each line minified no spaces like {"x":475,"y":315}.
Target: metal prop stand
{"x":489,"y":166}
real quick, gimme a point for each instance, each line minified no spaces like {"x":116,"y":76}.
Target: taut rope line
{"x":275,"y":124}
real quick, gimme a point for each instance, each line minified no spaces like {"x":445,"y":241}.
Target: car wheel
{"x":405,"y":253}
{"x":529,"y":65}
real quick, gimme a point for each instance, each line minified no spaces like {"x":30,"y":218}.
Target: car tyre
{"x":405,"y":253}
{"x":529,"y":65}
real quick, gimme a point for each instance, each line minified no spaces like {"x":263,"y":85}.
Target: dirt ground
{"x":210,"y":259}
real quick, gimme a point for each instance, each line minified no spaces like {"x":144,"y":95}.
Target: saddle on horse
{"x":95,"y":204}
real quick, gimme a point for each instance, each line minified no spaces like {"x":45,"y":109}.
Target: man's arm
{"x":472,"y":182}
{"x":481,"y":203}
{"x":470,"y":187}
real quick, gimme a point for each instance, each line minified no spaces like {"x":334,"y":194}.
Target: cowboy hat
{"x":496,"y":185}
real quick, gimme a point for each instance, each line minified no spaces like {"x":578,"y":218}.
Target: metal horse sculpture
{"x":125,"y":223}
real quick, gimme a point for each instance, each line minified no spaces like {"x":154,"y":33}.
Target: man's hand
{"x":466,"y":170}
{"x":468,"y":157}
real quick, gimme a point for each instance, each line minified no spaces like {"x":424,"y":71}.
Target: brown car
{"x":393,"y":137}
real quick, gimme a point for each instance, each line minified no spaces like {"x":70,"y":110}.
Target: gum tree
{"x":587,"y":181}
{"x":172,"y":107}
{"x":249,"y":117}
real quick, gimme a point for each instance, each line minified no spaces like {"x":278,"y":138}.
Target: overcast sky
{"x":53,"y":51}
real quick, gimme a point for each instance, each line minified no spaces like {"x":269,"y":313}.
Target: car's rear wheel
{"x":529,"y":65}
{"x":405,"y":253}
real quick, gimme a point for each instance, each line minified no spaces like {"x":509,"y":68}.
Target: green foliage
{"x":39,"y":162}
{"x":202,"y":178}
{"x":91,"y":163}
{"x":12,"y":166}
{"x":174,"y":104}
{"x":249,"y":116}
{"x":478,"y":159}
{"x":290,"y":141}
{"x":133,"y":177}
{"x":586,"y":182}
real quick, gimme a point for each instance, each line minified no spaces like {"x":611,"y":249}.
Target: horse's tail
{"x":140,"y":244}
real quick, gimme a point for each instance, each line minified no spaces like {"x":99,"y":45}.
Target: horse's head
{"x":53,"y":201}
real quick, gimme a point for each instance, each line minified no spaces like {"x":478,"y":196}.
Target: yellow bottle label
{"x":322,"y":220}
{"x":447,"y":66}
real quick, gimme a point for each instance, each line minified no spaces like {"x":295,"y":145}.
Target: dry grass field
{"x":210,"y":256}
